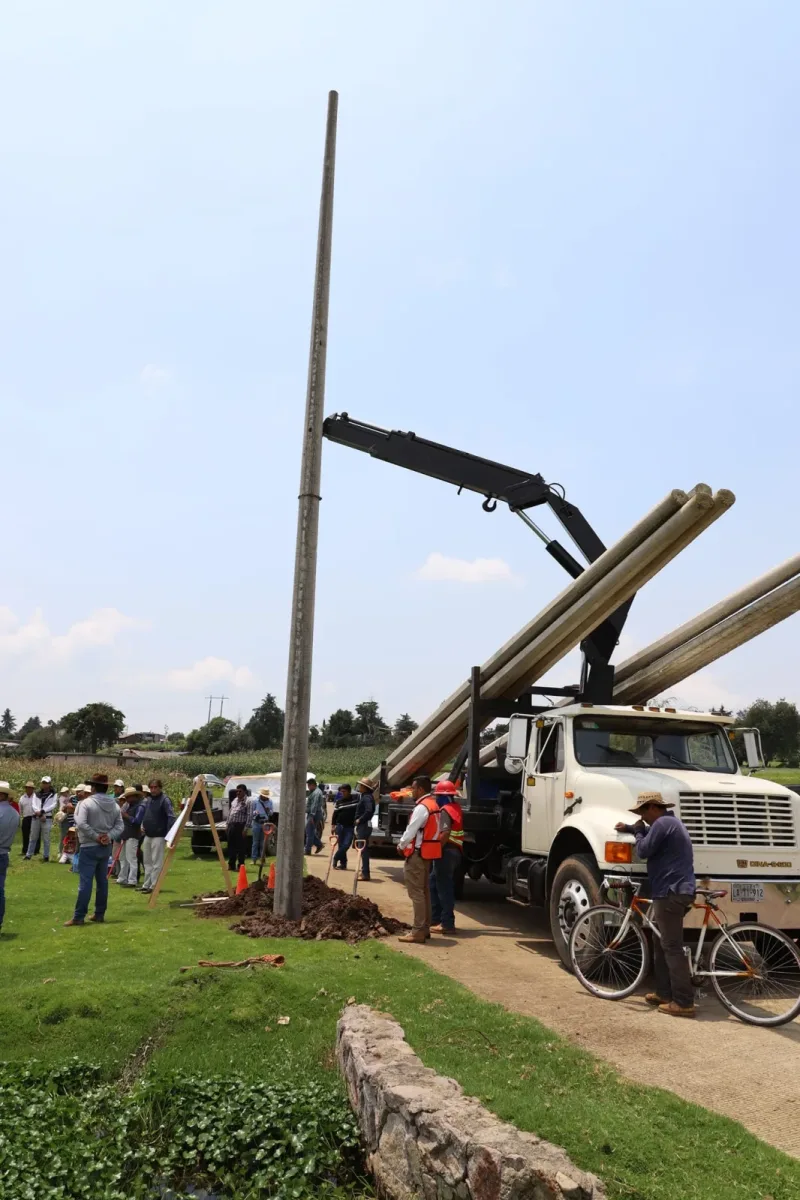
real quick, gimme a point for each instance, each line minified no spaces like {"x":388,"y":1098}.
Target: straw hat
{"x":265,"y":792}
{"x":367,"y":783}
{"x":5,"y":789}
{"x":64,"y":791}
{"x":30,"y":783}
{"x":647,"y":798}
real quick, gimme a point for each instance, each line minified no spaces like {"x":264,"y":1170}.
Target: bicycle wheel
{"x":606,"y":966}
{"x":756,"y":974}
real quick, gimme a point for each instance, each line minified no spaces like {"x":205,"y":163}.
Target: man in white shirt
{"x":420,"y":846}
{"x":45,"y":803}
{"x":26,"y":813}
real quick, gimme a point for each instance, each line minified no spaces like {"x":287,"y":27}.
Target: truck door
{"x":544,"y":789}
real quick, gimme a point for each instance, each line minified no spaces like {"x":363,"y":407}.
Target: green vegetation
{"x":114,"y":996}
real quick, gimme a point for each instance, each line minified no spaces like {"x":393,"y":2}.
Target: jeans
{"x":128,"y":866}
{"x":670,"y":964}
{"x":312,"y":835}
{"x":3,"y":872}
{"x":153,"y":854}
{"x":443,"y":887}
{"x":92,"y":869}
{"x":258,"y":841}
{"x":362,"y":835}
{"x":40,"y":832}
{"x":237,"y":846}
{"x":345,"y":835}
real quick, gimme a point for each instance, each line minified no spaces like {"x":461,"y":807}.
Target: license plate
{"x":747,"y":893}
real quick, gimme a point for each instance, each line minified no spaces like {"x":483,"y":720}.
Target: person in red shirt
{"x":443,"y":870}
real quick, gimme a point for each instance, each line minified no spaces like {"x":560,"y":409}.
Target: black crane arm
{"x":520,"y":490}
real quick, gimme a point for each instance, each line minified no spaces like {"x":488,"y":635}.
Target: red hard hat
{"x":445,"y":788}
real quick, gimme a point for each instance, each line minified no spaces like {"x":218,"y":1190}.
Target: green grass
{"x":111,"y":988}
{"x":784,"y":775}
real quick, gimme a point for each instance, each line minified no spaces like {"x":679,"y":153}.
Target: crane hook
{"x":489,"y":504}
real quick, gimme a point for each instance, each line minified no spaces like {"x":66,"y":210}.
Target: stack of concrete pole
{"x":712,"y":634}
{"x":583,"y":605}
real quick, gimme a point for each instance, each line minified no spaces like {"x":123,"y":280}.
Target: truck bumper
{"x":780,"y":906}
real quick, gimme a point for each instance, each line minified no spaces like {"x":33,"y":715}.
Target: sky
{"x":565,"y":237}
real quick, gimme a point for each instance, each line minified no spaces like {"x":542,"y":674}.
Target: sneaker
{"x":674,"y":1010}
{"x":145,"y":891}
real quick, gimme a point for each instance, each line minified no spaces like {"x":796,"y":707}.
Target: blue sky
{"x":565,"y":237}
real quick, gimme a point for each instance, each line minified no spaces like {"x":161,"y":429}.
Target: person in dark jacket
{"x":365,"y":811}
{"x":239,"y":818}
{"x":158,"y":819}
{"x":132,"y":811}
{"x":344,"y":823}
{"x":664,"y":843}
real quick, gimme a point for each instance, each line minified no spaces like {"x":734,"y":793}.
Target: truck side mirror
{"x":752,"y":749}
{"x":519,"y":732}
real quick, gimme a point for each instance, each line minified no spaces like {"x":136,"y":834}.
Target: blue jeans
{"x":443,"y":887}
{"x":3,"y":872}
{"x":345,"y":834}
{"x":92,"y":869}
{"x":258,"y":841}
{"x":312,"y":835}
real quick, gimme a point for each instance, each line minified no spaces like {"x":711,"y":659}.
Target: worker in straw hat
{"x":261,"y":816}
{"x":663,"y":842}
{"x":9,"y":824}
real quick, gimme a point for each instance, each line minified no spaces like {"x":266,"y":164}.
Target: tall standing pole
{"x":291,"y":826}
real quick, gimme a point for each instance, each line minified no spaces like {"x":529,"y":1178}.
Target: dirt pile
{"x":327,"y":914}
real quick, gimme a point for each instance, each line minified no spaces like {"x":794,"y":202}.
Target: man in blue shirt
{"x":663,"y":842}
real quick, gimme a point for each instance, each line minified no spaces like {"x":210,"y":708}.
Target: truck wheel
{"x":576,"y":887}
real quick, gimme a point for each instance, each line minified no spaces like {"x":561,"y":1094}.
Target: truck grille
{"x":728,"y":819}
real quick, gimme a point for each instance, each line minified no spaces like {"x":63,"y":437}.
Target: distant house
{"x":8,"y":745}
{"x":133,"y":738}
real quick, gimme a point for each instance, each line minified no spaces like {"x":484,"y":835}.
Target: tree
{"x":39,"y":743}
{"x":266,"y":724}
{"x":404,"y":726}
{"x":7,"y":724}
{"x":369,"y":724}
{"x":780,"y":729}
{"x":27,"y":727}
{"x":94,"y":725}
{"x":219,"y":736}
{"x":338,"y":729}
{"x":314,"y":734}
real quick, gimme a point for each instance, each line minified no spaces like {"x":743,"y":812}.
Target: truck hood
{"x":624,"y":784}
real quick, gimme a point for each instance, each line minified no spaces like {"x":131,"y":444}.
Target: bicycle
{"x":754,"y":969}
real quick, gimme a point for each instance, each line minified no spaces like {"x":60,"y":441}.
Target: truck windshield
{"x":604,"y":741}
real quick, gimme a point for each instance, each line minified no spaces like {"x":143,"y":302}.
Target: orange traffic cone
{"x":241,"y":883}
{"x":271,"y":879}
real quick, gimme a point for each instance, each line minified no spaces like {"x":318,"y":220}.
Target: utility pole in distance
{"x":291,"y":826}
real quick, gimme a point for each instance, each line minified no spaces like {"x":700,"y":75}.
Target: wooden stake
{"x":199,"y":790}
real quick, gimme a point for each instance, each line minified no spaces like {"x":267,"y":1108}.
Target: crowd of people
{"x":351,"y":821}
{"x":102,"y":830}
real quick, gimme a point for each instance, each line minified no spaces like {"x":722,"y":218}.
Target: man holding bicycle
{"x":663,"y":842}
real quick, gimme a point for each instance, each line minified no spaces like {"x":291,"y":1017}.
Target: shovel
{"x":334,"y":841}
{"x":359,"y":844}
{"x":268,"y":832}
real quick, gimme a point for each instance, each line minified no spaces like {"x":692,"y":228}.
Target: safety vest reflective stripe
{"x":456,"y":816}
{"x":430,"y":847}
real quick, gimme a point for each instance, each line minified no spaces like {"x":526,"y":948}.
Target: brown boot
{"x":654,"y":999}
{"x":674,"y":1010}
{"x":418,"y":939}
{"x":72,"y":921}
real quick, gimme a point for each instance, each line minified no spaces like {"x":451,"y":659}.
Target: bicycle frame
{"x":639,"y":907}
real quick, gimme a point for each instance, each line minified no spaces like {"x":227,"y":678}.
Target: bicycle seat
{"x":711,"y":894}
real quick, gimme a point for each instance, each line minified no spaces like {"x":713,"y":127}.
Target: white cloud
{"x":460,"y":570}
{"x":704,"y":691}
{"x":209,"y":671}
{"x":153,"y":376}
{"x":19,"y":639}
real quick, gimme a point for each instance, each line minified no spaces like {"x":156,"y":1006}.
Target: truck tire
{"x":576,"y":887}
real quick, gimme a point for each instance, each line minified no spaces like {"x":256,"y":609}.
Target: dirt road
{"x":503,"y":953}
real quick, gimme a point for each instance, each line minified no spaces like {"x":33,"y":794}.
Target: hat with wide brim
{"x":645,"y":799}
{"x":5,"y":789}
{"x":100,"y":779}
{"x":265,"y":792}
{"x":367,"y":783}
{"x":30,"y":783}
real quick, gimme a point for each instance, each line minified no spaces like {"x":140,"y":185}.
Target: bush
{"x":181,"y":1132}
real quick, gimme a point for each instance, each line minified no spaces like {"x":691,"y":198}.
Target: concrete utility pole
{"x":289,"y":866}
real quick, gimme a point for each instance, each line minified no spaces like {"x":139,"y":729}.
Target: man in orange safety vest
{"x":443,"y":871}
{"x":420,"y":846}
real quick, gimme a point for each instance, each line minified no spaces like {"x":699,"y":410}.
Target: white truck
{"x":582,"y":767}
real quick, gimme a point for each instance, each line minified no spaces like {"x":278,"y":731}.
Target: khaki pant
{"x":416,"y":878}
{"x":153,"y":855}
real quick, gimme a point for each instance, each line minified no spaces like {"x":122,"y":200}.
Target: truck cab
{"x":582,"y":767}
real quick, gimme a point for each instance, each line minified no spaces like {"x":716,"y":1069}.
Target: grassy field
{"x":114,"y":995}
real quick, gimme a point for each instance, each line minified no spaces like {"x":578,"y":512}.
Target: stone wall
{"x":426,"y":1140}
